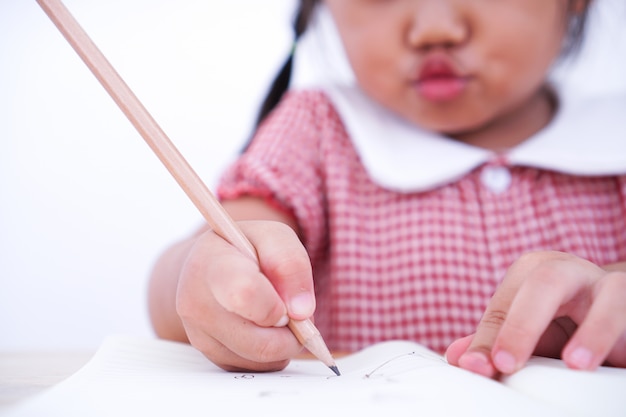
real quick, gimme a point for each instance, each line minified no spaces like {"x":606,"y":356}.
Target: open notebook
{"x":130,"y":376}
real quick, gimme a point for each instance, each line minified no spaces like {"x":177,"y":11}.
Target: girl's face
{"x":452,"y":66}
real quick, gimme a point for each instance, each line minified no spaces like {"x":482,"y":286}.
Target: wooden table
{"x":23,"y":374}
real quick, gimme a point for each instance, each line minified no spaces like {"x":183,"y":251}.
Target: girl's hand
{"x":234,"y":313}
{"x":549,"y":304}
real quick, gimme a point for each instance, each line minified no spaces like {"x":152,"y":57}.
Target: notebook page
{"x":131,"y":376}
{"x":598,"y":393}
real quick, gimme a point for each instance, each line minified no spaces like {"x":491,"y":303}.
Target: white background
{"x":85,"y":207}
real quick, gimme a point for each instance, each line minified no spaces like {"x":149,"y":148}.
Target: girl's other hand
{"x":550,"y":304}
{"x":234,"y":313}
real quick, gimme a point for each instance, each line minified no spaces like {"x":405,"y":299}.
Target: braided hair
{"x":576,"y":25}
{"x":281,"y":82}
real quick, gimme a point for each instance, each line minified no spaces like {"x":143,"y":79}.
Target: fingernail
{"x":476,"y":362}
{"x":284,"y":320}
{"x":302,"y":305}
{"x":505,"y":362}
{"x":581,"y":358}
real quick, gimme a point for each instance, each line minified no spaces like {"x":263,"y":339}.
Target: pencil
{"x":210,"y":208}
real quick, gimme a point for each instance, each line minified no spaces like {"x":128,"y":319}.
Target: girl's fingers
{"x":220,"y":273}
{"x":559,"y":285}
{"x":477,"y":357}
{"x":229,"y":304}
{"x":530,"y":313}
{"x":261,"y":353}
{"x":458,"y":348}
{"x":227,"y":338}
{"x":603,"y":330}
{"x":537,"y":289}
{"x":285,"y":262}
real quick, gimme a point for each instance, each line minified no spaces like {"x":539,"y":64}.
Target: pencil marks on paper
{"x":392,"y":370}
{"x":404,"y":363}
{"x":244,"y":376}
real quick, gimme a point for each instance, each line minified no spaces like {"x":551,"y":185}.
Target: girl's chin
{"x":457,"y":131}
{"x":448,"y":122}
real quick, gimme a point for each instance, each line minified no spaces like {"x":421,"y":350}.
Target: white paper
{"x":131,"y":376}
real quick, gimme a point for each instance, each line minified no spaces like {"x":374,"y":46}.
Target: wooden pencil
{"x":216,"y":216}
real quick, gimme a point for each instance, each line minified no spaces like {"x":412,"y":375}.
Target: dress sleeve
{"x":282,"y":166}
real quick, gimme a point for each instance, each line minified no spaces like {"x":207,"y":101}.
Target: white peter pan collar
{"x":586,"y":137}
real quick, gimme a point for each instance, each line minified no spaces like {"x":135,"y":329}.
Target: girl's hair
{"x":577,"y":19}
{"x":281,"y":83}
{"x":577,"y":15}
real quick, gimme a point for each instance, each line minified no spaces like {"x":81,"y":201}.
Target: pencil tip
{"x":335,"y":370}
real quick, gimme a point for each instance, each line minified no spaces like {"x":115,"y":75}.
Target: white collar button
{"x":496,"y":178}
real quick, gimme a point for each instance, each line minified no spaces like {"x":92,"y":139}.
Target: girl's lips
{"x":439,"y":80}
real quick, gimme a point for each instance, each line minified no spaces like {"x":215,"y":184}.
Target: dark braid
{"x":576,"y":25}
{"x":281,"y":82}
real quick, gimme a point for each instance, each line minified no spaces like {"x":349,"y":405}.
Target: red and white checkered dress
{"x":414,"y":265}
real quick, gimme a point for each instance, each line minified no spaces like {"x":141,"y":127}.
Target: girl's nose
{"x":437,"y":23}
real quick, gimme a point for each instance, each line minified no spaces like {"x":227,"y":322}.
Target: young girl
{"x":444,"y":188}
